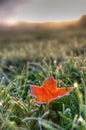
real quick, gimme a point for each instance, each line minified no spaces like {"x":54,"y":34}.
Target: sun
{"x":11,"y":23}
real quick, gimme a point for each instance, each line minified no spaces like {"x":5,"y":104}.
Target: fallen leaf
{"x":48,"y":91}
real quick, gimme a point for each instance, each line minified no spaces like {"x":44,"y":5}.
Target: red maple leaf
{"x":48,"y":91}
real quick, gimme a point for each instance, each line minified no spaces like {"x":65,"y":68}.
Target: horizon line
{"x":10,"y":22}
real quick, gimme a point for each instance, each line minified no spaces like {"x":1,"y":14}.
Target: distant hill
{"x":27,"y":26}
{"x":82,"y":21}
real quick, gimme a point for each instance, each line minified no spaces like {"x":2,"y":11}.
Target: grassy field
{"x":30,"y":58}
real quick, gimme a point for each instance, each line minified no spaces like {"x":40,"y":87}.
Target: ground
{"x":29,"y":58}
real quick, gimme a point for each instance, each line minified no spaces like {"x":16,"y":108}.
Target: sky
{"x":41,"y":10}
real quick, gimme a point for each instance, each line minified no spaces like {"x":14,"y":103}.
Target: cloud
{"x":51,"y":10}
{"x":41,"y":10}
{"x":8,"y":8}
{"x":3,"y":2}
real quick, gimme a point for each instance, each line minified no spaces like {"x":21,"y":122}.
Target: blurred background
{"x":34,"y":30}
